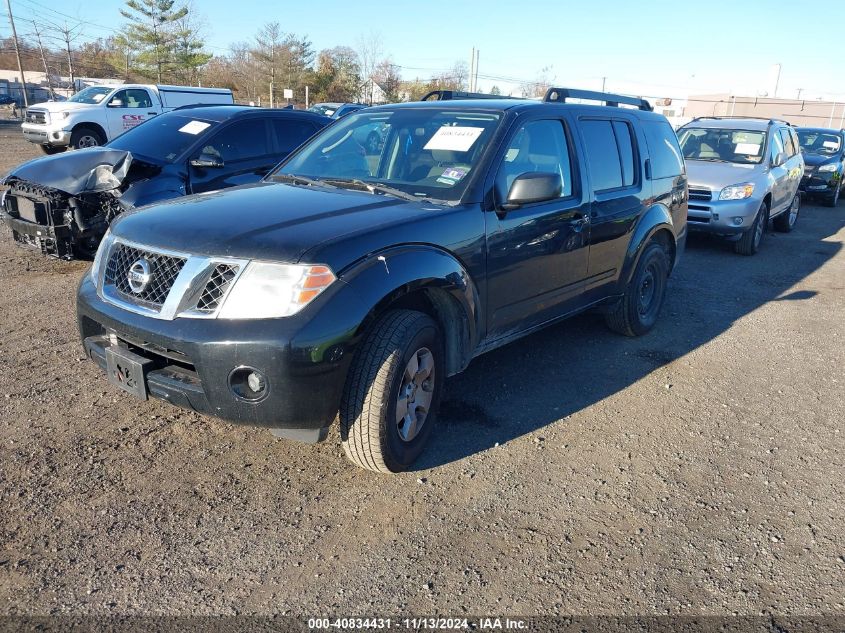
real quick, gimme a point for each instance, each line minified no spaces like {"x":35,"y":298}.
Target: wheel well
{"x":92,"y":126}
{"x":443,"y":308}
{"x":768,"y":200}
{"x":665,"y":237}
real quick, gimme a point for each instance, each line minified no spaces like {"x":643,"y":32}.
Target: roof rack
{"x":450,"y":95}
{"x":750,"y":118}
{"x":560,"y":95}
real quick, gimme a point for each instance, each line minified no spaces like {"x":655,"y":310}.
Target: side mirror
{"x":780,"y":159}
{"x":116,"y":103}
{"x":207,"y":161}
{"x":533,"y":186}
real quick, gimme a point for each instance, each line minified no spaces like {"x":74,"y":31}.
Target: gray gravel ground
{"x":697,"y":470}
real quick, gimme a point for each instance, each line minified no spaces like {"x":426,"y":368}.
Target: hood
{"x":814,"y":160}
{"x":717,"y":176}
{"x":91,"y":169}
{"x":61,"y":106}
{"x":272,"y":221}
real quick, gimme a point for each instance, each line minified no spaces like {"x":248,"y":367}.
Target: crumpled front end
{"x":62,"y":205}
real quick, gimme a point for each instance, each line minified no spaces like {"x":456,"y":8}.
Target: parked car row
{"x":351,"y":279}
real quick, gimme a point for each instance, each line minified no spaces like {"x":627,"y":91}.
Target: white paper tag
{"x":831,"y":144}
{"x":750,"y":149}
{"x":194,"y":127}
{"x":454,"y":138}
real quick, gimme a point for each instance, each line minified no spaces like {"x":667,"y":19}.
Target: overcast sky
{"x":654,"y":48}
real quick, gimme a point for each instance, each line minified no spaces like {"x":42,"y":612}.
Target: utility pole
{"x":475,"y":79}
{"x":17,"y":53}
{"x":603,"y":84}
{"x":43,"y":60}
{"x":798,"y":96}
{"x":471,"y":68}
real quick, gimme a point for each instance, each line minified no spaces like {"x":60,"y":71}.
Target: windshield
{"x":91,"y":95}
{"x":819,"y":142}
{"x":326,"y":109}
{"x":419,"y":152}
{"x":725,"y":146}
{"x":163,"y":138}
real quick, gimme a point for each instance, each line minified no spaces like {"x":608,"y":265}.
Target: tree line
{"x":162,"y":41}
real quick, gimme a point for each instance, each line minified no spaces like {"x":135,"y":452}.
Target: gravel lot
{"x":697,"y":470}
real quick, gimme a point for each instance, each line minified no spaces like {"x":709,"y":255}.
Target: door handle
{"x":152,"y":113}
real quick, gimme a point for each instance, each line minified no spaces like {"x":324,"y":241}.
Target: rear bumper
{"x":193,"y":360}
{"x":44,"y":135}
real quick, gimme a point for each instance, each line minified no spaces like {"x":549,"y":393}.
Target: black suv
{"x":355,"y":284}
{"x":63,"y":204}
{"x":824,"y":163}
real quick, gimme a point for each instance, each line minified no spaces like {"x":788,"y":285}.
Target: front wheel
{"x":83,"y":137}
{"x":749,"y":242}
{"x":636,"y":312}
{"x":785,"y":222}
{"x":392,"y":392}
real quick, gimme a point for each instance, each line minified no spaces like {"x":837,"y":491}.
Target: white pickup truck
{"x":99,"y":113}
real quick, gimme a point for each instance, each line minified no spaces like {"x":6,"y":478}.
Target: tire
{"x":50,"y":150}
{"x":372,"y":436}
{"x":833,"y":200}
{"x":83,"y":137}
{"x":786,"y":221}
{"x":749,"y":243}
{"x":637,"y":311}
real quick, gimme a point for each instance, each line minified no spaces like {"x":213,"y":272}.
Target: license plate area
{"x":127,"y":370}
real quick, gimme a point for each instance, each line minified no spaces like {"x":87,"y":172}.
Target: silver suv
{"x":742,"y":173}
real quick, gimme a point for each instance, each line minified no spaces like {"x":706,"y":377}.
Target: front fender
{"x":656,"y":218}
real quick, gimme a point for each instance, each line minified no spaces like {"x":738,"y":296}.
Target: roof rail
{"x":750,"y":118}
{"x":450,"y":95}
{"x":560,"y":95}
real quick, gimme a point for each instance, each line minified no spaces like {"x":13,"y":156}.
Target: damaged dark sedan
{"x":63,"y":204}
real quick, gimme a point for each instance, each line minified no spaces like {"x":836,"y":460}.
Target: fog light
{"x":247,"y":383}
{"x":738,"y":221}
{"x":57,"y":135}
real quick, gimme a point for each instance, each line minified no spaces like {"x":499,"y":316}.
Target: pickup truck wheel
{"x":391,"y":396}
{"x":50,"y":150}
{"x":749,"y":243}
{"x":636,"y":312}
{"x":373,"y":143}
{"x":85,"y":137}
{"x":785,"y":222}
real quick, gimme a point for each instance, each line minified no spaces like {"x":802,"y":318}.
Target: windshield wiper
{"x":374,"y":187}
{"x":302,"y":180}
{"x":711,"y":160}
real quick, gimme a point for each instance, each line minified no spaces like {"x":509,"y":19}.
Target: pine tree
{"x":153,"y":34}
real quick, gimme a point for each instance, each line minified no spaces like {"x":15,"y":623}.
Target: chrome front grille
{"x":164,"y":270}
{"x":36,"y":116}
{"x":216,"y":287}
{"x":174,"y":284}
{"x":700,"y":193}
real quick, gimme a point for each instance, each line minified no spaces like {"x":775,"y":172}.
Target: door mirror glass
{"x":780,"y":159}
{"x":207,"y":161}
{"x":533,"y":187}
{"x":116,"y":103}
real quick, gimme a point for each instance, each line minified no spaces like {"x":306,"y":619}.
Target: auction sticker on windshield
{"x":454,"y":138}
{"x":752,"y":149}
{"x":194,"y":127}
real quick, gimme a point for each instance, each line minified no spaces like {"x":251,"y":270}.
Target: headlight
{"x":105,"y":245}
{"x":62,"y":115}
{"x":828,"y":167}
{"x":266,"y":291}
{"x":737,"y":192}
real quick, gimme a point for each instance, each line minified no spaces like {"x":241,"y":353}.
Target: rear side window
{"x":624,"y":140}
{"x":666,"y":158}
{"x":602,"y":154}
{"x":290,"y":134}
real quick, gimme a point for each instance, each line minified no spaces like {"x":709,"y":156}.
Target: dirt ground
{"x":696,"y":470}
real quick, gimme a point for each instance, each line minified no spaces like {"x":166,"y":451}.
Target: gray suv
{"x":742,"y":173}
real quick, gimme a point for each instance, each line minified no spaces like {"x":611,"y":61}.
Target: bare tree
{"x":67,"y":34}
{"x":43,"y":59}
{"x":369,"y":51}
